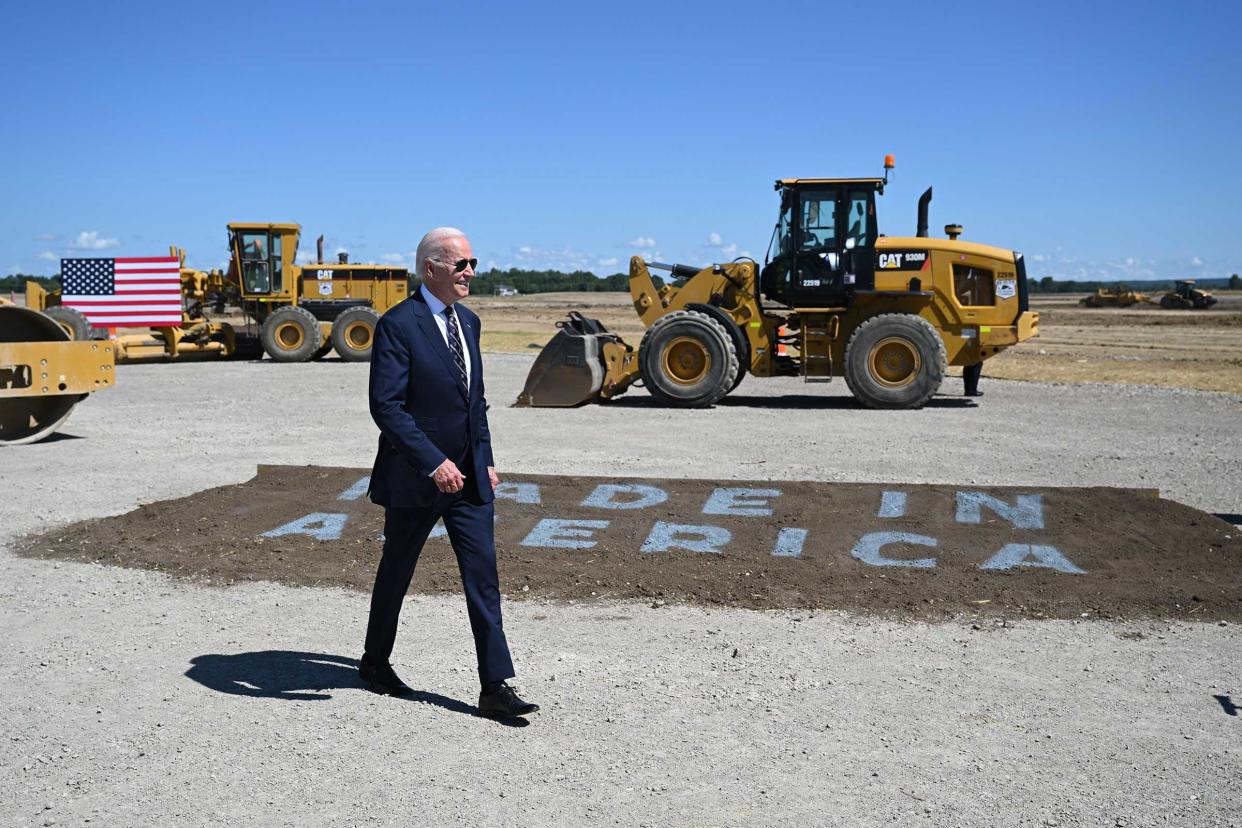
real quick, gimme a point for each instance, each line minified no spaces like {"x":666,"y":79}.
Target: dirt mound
{"x":902,"y":551}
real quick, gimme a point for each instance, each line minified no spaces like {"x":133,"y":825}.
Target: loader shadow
{"x":299,"y":676}
{"x":799,"y":402}
{"x":1226,"y":704}
{"x":1236,"y":520}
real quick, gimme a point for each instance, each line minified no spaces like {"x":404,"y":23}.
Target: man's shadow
{"x":283,"y":674}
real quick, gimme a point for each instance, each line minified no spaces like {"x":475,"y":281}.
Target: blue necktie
{"x":454,"y":343}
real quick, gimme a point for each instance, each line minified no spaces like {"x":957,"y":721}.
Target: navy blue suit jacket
{"x":423,"y":413}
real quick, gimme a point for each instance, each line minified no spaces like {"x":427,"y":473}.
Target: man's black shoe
{"x":974,"y":393}
{"x":505,"y":702}
{"x":380,"y":678}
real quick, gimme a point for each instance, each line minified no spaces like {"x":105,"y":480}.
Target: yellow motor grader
{"x":44,"y":374}
{"x":291,"y":312}
{"x":834,"y":297}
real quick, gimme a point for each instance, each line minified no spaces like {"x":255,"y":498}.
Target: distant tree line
{"x":17,"y":282}
{"x":1050,"y":285}
{"x":550,"y":281}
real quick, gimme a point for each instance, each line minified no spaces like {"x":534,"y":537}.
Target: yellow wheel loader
{"x":44,"y":374}
{"x":835,"y":297}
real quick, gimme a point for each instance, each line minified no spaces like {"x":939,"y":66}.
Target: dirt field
{"x":1069,"y":553}
{"x":1179,"y":349}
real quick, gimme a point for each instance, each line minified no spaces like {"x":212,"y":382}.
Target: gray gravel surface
{"x":133,"y":699}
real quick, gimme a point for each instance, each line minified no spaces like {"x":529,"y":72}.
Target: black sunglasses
{"x":460,"y":264}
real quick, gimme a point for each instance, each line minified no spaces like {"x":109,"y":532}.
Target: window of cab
{"x":974,"y":286}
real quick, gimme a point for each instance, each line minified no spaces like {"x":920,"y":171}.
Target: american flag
{"x":123,"y":292}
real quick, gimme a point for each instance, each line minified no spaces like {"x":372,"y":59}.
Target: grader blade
{"x":43,"y":374}
{"x":570,"y":369}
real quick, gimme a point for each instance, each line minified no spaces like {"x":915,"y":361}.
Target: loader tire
{"x":72,"y":321}
{"x":741,"y":345}
{"x":895,"y":360}
{"x":353,"y":334}
{"x":1166,"y":303}
{"x":324,"y":350}
{"x":688,"y":360}
{"x":291,"y":334}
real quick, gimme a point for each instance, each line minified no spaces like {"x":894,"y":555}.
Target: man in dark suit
{"x":435,"y":462}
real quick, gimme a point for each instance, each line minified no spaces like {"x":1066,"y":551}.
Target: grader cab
{"x":835,"y":297}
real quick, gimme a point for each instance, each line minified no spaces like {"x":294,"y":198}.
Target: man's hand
{"x":448,"y":478}
{"x":492,"y":476}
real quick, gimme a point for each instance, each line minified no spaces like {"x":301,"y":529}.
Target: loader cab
{"x":822,"y":249}
{"x":262,"y":256}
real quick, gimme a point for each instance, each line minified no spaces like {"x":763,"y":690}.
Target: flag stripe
{"x":124,"y":310}
{"x":136,"y":296}
{"x":133,"y":259}
{"x":136,"y":322}
{"x":113,"y":307}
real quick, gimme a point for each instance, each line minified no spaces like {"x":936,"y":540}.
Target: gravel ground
{"x":132,"y":699}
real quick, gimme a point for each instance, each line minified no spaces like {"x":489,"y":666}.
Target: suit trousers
{"x":471,"y":532}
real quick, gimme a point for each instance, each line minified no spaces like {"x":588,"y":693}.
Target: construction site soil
{"x":900,"y":551}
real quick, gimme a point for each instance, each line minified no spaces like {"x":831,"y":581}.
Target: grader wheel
{"x":687,"y":359}
{"x":353,"y":334}
{"x":71,"y":321}
{"x":291,"y":334}
{"x":895,"y":360}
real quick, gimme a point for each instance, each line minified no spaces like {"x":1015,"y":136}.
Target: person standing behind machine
{"x":970,"y":378}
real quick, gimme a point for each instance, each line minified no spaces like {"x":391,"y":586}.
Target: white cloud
{"x":566,"y":259}
{"x":716,"y":242}
{"x":643,"y":242}
{"x":393,"y":258}
{"x":1195,"y":261}
{"x":48,"y":256}
{"x":47,"y":237}
{"x":609,"y":262}
{"x":89,"y":240}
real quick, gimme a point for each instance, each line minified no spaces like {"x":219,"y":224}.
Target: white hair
{"x":432,"y":246}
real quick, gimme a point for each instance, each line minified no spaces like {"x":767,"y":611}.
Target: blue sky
{"x":1100,"y":139}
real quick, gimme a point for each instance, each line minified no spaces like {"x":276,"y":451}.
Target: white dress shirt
{"x":437,"y":310}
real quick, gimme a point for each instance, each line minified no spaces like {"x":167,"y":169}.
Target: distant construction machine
{"x":1185,"y":296}
{"x":43,"y":374}
{"x":291,"y":312}
{"x":1113,"y":298}
{"x":835,"y":297}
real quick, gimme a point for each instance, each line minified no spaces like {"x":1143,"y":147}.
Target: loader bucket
{"x":569,"y":371}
